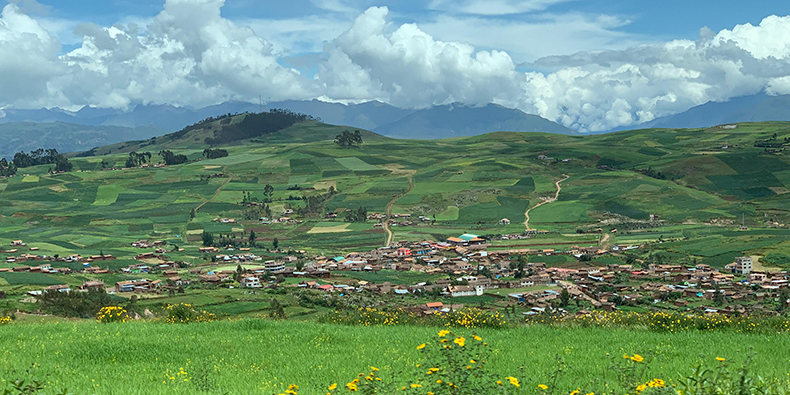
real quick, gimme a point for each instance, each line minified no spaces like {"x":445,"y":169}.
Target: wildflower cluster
{"x":112,"y":314}
{"x":367,"y":384}
{"x":455,"y":364}
{"x":469,"y":318}
{"x":194,"y":377}
{"x":184,"y":313}
{"x":654,"y":383}
{"x":474,"y":318}
{"x":668,"y":321}
{"x":4,"y":320}
{"x":291,"y":390}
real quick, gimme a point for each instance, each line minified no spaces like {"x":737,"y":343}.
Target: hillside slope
{"x":699,"y":182}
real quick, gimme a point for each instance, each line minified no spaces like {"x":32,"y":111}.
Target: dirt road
{"x":547,"y":201}
{"x":389,"y":209}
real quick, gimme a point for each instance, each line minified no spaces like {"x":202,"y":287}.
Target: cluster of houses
{"x":460,"y":260}
{"x":148,"y":244}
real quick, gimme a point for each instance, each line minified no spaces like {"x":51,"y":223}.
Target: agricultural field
{"x":460,"y":185}
{"x":259,"y":356}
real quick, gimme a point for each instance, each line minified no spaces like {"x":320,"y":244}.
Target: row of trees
{"x":39,"y":157}
{"x":138,"y":159}
{"x":221,"y":240}
{"x":173,"y":159}
{"x":348,"y":139}
{"x":256,"y":125}
{"x":35,"y":158}
{"x":214,"y":153}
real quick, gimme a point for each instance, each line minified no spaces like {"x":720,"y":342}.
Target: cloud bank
{"x":190,"y":55}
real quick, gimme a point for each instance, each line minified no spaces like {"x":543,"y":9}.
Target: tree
{"x":7,"y":169}
{"x":784,"y":297}
{"x":268,"y":191}
{"x":718,"y":297}
{"x":348,"y":139}
{"x":215,"y":153}
{"x":63,"y":164}
{"x":192,"y":213}
{"x":136,"y":159}
{"x":358,"y":215}
{"x":208,"y":239}
{"x":275,"y":243}
{"x":252,"y":238}
{"x":172,"y":159}
{"x":565,"y":297}
{"x":238,"y":274}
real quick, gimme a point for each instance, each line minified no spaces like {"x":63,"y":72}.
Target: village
{"x":459,"y":268}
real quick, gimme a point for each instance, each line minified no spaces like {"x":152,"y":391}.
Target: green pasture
{"x":257,"y":356}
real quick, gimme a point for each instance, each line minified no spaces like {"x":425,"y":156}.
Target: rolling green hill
{"x":699,"y":189}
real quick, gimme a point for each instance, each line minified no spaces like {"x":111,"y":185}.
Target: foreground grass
{"x":258,"y":356}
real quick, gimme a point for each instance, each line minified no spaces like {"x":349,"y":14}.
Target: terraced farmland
{"x":460,"y":185}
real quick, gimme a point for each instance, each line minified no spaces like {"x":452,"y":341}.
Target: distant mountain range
{"x":90,"y":127}
{"x":433,"y":123}
{"x":462,"y":121}
{"x":66,"y":137}
{"x":753,"y":108}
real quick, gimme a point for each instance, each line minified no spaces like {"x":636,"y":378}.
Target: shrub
{"x":5,"y":320}
{"x":666,"y":321}
{"x":112,"y":314}
{"x":183,"y":313}
{"x":74,"y":304}
{"x":465,"y":318}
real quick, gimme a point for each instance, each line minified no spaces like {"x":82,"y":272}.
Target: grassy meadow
{"x":264,"y":357}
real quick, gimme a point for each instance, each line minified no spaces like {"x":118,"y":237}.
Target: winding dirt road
{"x":547,"y":201}
{"x":389,"y":210}
{"x":230,"y":178}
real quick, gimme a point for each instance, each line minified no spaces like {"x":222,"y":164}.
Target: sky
{"x":591,"y":65}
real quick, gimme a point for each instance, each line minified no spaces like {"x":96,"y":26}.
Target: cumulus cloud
{"x":28,"y":59}
{"x":189,"y":54}
{"x":406,"y":66}
{"x":588,"y":89}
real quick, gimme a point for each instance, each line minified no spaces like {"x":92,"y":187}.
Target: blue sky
{"x":591,"y":65}
{"x":668,"y":18}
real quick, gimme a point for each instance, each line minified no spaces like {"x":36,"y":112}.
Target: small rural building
{"x":465,"y":290}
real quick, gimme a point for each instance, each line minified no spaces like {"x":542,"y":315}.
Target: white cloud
{"x":27,"y":60}
{"x":529,"y":40}
{"x":297,"y":35}
{"x":493,"y":7}
{"x":408,"y":67}
{"x":190,"y":55}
